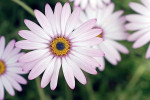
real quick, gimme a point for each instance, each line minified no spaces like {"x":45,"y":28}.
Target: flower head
{"x":112,"y":25}
{"x":57,"y":42}
{"x":10,"y":68}
{"x":93,"y":3}
{"x":140,"y":24}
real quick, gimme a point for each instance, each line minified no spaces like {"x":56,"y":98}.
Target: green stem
{"x":90,"y":90}
{"x":68,"y":93}
{"x":40,"y":90}
{"x":136,"y":77}
{"x":25,"y":6}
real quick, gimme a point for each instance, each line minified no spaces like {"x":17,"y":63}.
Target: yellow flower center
{"x":60,"y":46}
{"x":2,"y":67}
{"x":100,"y":35}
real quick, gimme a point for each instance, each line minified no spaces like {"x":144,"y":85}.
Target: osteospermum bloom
{"x":140,"y":23}
{"x":57,"y":42}
{"x":112,"y":25}
{"x":93,"y":3}
{"x":10,"y":68}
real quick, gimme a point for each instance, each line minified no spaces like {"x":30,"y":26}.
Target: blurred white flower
{"x":93,"y":3}
{"x":10,"y":68}
{"x":140,"y":23}
{"x":112,"y":24}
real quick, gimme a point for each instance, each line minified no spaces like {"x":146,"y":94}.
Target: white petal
{"x":89,"y":42}
{"x":2,"y":44}
{"x":138,"y":18}
{"x":48,"y":73}
{"x":8,"y":86}
{"x":8,"y":49}
{"x":82,"y":64}
{"x":26,"y":34}
{"x":83,"y":28}
{"x":40,"y":67}
{"x":50,"y":17}
{"x":136,"y":26}
{"x":113,"y":50}
{"x":102,"y":62}
{"x":18,"y":78}
{"x":17,"y":70}
{"x":36,"y":29}
{"x":54,"y":79}
{"x":77,"y":71}
{"x":139,"y":8}
{"x":148,"y":52}
{"x":119,"y":46}
{"x":137,"y":34}
{"x":66,"y":11}
{"x":72,"y":21}
{"x":108,"y":55}
{"x":25,"y":44}
{"x":1,"y":90}
{"x":33,"y":55}
{"x":68,"y":74}
{"x":43,"y":22}
{"x":14,"y":83}
{"x":89,"y":52}
{"x":142,"y":40}
{"x":57,"y":14}
{"x":87,"y":35}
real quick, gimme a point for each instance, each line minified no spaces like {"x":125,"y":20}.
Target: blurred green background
{"x":129,"y":80}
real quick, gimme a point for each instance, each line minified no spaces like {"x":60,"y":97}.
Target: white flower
{"x":10,"y":68}
{"x":140,"y":23}
{"x":112,"y":24}
{"x":93,"y":3}
{"x":57,"y":43}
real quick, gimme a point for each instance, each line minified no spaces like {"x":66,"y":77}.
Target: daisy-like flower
{"x":112,"y":25}
{"x":140,"y":23}
{"x":59,"y":43}
{"x":93,"y":3}
{"x":10,"y":68}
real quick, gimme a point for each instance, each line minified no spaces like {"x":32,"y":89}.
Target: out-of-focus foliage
{"x":129,"y":80}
